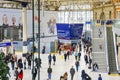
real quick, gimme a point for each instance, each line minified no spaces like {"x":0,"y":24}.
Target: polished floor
{"x":61,"y":67}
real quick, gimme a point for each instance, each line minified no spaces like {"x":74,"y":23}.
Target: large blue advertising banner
{"x":69,"y":31}
{"x":63,"y":31}
{"x":76,"y":31}
{"x":5,"y":44}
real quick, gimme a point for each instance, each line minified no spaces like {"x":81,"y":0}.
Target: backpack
{"x":87,"y":77}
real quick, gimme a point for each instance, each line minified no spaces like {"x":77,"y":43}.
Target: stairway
{"x":99,"y":55}
{"x":111,"y":50}
{"x":100,"y":59}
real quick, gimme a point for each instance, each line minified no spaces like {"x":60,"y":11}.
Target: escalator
{"x":111,"y":51}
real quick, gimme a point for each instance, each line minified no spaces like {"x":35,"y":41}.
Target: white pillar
{"x":24,"y":19}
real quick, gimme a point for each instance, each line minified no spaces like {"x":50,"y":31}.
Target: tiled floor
{"x":61,"y":67}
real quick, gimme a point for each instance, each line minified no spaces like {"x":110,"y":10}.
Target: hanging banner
{"x":63,"y":31}
{"x":5,"y":44}
{"x":87,"y":22}
{"x":69,"y":31}
{"x":76,"y":31}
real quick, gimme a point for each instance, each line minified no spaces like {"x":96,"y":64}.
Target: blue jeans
{"x":83,"y":78}
{"x":77,"y":68}
{"x":49,"y":75}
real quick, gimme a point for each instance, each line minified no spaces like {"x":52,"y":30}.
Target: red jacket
{"x":20,"y":75}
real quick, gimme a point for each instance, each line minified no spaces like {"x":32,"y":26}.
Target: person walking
{"x":12,"y":63}
{"x":20,"y":64}
{"x":29,"y":63}
{"x":49,"y":71}
{"x":60,"y":51}
{"x":8,"y":70}
{"x":76,"y":55}
{"x":36,"y":63}
{"x":49,"y":59}
{"x":65,"y":76}
{"x":77,"y":65}
{"x":90,"y":62}
{"x":43,"y":50}
{"x":72,"y":72}
{"x":95,"y":67}
{"x":24,"y":63}
{"x":85,"y":76}
{"x":20,"y":75}
{"x":86,"y":59}
{"x":16,"y":73}
{"x":68,"y":54}
{"x":99,"y":78}
{"x":79,"y":55}
{"x":54,"y":59}
{"x":65,"y":57}
{"x":34,"y":72}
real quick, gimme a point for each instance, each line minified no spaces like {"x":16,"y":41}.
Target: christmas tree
{"x":3,"y":70}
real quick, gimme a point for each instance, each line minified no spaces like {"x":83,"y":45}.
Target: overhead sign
{"x":15,"y":42}
{"x":5,"y":44}
{"x":63,"y":31}
{"x":25,"y":43}
{"x":76,"y":31}
{"x":87,"y":22}
{"x":69,"y":31}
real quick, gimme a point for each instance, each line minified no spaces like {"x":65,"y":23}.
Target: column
{"x":119,"y":50}
{"x":24,"y":19}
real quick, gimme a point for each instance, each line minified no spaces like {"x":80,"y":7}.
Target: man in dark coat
{"x":65,"y":57}
{"x":34,"y":72}
{"x":68,"y":54}
{"x":72,"y":72}
{"x":49,"y":59}
{"x":54,"y":59}
{"x":16,"y":73}
{"x":79,"y":55}
{"x":86,"y":59}
{"x":49,"y":71}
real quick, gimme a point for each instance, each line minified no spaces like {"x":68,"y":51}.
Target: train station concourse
{"x":59,"y":39}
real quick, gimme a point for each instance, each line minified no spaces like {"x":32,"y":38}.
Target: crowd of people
{"x":75,"y":51}
{"x":21,"y":64}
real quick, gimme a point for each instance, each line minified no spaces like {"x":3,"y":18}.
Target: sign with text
{"x":76,"y":31}
{"x":63,"y":31}
{"x":69,"y":31}
{"x":5,"y":44}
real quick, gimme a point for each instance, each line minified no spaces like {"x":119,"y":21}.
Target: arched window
{"x":102,"y":16}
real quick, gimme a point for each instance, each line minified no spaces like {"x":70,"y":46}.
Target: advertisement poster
{"x":69,"y":31}
{"x":76,"y":31}
{"x":10,"y":24}
{"x":63,"y":31}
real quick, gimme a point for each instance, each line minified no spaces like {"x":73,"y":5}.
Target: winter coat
{"x":72,"y":71}
{"x":54,"y":58}
{"x":20,"y":76}
{"x":49,"y":70}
